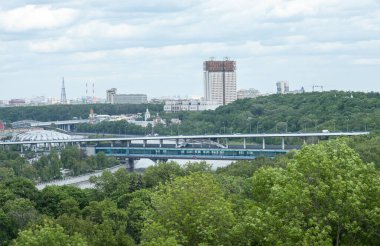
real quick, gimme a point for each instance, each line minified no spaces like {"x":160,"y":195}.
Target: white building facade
{"x":129,"y":99}
{"x":189,"y":105}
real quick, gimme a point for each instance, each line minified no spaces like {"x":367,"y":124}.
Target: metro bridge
{"x":213,"y":147}
{"x":189,"y":153}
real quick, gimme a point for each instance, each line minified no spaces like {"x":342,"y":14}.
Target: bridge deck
{"x":188,"y":153}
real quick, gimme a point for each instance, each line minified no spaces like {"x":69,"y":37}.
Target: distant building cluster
{"x":250,"y":93}
{"x":283,"y":88}
{"x":219,"y":87}
{"x":138,"y":119}
{"x":114,"y":98}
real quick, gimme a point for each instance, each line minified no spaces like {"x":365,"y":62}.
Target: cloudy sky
{"x":157,"y":46}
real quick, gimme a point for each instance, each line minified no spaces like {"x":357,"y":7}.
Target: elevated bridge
{"x":66,"y":125}
{"x":188,"y":153}
{"x":178,"y":147}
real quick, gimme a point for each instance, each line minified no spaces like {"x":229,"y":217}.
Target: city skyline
{"x":157,"y":48}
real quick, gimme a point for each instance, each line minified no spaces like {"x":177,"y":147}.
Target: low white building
{"x":189,"y":105}
{"x":250,"y":93}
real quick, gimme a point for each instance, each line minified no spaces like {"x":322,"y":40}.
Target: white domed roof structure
{"x":40,"y":135}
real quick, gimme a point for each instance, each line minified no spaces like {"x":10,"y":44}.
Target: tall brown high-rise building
{"x":220,"y":81}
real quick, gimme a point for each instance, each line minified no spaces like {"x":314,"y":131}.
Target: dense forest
{"x":68,"y":112}
{"x":307,"y":112}
{"x":323,"y":194}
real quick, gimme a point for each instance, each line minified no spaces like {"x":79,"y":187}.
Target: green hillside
{"x":308,"y":112}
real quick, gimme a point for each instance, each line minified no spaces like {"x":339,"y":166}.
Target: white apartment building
{"x":220,"y":81}
{"x":282,"y":87}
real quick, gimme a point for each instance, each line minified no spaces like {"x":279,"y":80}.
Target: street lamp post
{"x":257,"y":127}
{"x":286,"y":127}
{"x":315,"y":126}
{"x":334,"y":125}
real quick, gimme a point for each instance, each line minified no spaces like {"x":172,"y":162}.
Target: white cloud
{"x":367,"y":61}
{"x":295,"y":38}
{"x":328,"y":46}
{"x":100,"y":29}
{"x":54,"y":45}
{"x":31,"y":17}
{"x":90,"y":56}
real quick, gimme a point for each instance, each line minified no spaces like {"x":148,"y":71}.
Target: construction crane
{"x":317,"y":86}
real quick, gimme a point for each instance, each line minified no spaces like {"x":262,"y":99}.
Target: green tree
{"x":192,"y":210}
{"x":112,"y":185}
{"x":49,"y":234}
{"x":8,"y":229}
{"x":325,"y":195}
{"x":161,"y":173}
{"x":193,"y":167}
{"x":21,"y":211}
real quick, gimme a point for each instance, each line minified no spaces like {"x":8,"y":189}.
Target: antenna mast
{"x":63,"y":92}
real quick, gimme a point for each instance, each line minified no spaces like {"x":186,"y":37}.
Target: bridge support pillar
{"x":131,"y":164}
{"x":245,"y":143}
{"x":161,"y":143}
{"x":263,"y":143}
{"x":111,"y":143}
{"x":283,"y":143}
{"x":22,"y":148}
{"x":68,"y":128}
{"x":226,"y":143}
{"x":144,"y":143}
{"x":49,"y":146}
{"x":176,"y":142}
{"x":128,"y":143}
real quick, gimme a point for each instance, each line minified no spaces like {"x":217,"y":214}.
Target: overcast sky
{"x":157,"y":47}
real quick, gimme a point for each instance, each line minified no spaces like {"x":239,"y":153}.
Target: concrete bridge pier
{"x":263,"y":143}
{"x":245,"y":143}
{"x":131,"y":164}
{"x":159,"y":160}
{"x":283,"y":143}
